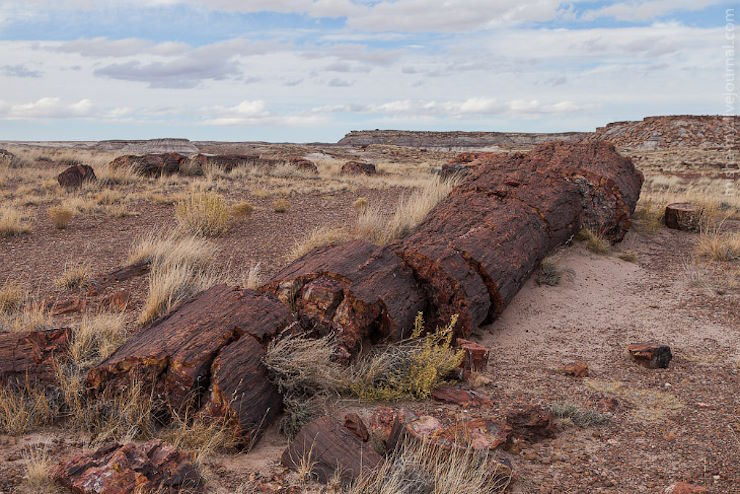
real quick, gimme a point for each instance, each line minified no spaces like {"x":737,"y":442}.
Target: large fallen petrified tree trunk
{"x":470,"y":256}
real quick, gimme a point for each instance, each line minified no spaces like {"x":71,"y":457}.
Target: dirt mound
{"x":664,"y":132}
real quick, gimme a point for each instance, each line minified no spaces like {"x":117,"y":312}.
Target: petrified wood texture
{"x":475,"y":249}
{"x":651,"y":354}
{"x":31,"y":354}
{"x":150,"y":165}
{"x":327,"y":445}
{"x":357,"y":290}
{"x":175,"y":354}
{"x":75,"y":175}
{"x":682,"y":216}
{"x":152,"y":466}
{"x":240,"y":388}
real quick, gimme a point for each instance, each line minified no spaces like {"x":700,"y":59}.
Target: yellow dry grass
{"x":11,"y":223}
{"x":204,"y":213}
{"x":60,"y":216}
{"x":73,"y":277}
{"x":96,"y":337}
{"x":318,"y":238}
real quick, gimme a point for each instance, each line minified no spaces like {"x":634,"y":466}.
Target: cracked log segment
{"x":31,"y":355}
{"x":475,"y":249}
{"x":359,"y":291}
{"x":207,"y":352}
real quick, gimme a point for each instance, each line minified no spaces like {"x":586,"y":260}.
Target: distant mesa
{"x":167,"y":145}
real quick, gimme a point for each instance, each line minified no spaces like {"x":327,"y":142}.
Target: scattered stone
{"x":152,"y":466}
{"x":479,"y":434}
{"x":69,"y":306}
{"x":328,"y":446}
{"x":353,"y":422}
{"x":459,"y":396}
{"x":31,"y":354}
{"x":683,"y":216}
{"x":408,"y":426}
{"x":358,"y":168}
{"x":684,"y":488}
{"x":381,"y":422}
{"x":651,"y":354}
{"x":74,"y":176}
{"x":576,"y":369}
{"x":305,"y":165}
{"x":476,"y":355}
{"x":531,"y":423}
{"x":117,"y":300}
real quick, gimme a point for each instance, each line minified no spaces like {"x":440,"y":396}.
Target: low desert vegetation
{"x":550,"y":274}
{"x":649,"y":215}
{"x":31,"y":316}
{"x":252,"y":278}
{"x":37,"y":472}
{"x":203,"y":213}
{"x":427,"y":468}
{"x":280,"y":205}
{"x":582,"y":417}
{"x":96,"y":337}
{"x":241,"y":210}
{"x":318,"y":238}
{"x":595,"y":241}
{"x":24,"y":407}
{"x":172,"y":249}
{"x":206,"y":437}
{"x":73,"y":277}
{"x":360,"y":204}
{"x":12,"y":297}
{"x":60,"y":216}
{"x":382,"y":229}
{"x":11,"y":222}
{"x":410,"y":369}
{"x":628,"y":255}
{"x":719,"y":246}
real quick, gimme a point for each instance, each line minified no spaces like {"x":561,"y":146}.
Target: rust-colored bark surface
{"x":31,"y":354}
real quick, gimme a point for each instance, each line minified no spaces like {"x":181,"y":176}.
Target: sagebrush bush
{"x":203,"y":213}
{"x":60,"y":216}
{"x":410,"y":369}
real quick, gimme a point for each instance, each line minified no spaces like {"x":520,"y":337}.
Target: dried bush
{"x":73,"y":277}
{"x":60,"y":216}
{"x":280,"y":205}
{"x":96,"y":338}
{"x":12,"y":297}
{"x":11,"y":223}
{"x":409,"y":369}
{"x":318,"y":238}
{"x":550,"y":274}
{"x":595,"y":241}
{"x":241,"y":209}
{"x":204,"y":213}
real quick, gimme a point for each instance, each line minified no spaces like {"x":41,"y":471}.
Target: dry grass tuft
{"x":649,"y":215}
{"x":409,"y":369}
{"x":582,"y":417}
{"x":252,"y":279}
{"x":203,"y":213}
{"x":73,"y":277}
{"x":426,"y":468}
{"x":38,"y":468}
{"x":550,"y":274}
{"x":11,"y":223}
{"x":96,"y":338}
{"x":241,"y":209}
{"x":280,"y":205}
{"x":23,"y":408}
{"x":381,"y":229}
{"x":170,"y":286}
{"x":172,"y":250}
{"x":318,"y":238}
{"x":300,"y":365}
{"x":32,"y":316}
{"x":206,"y":437}
{"x":595,"y":241}
{"x":360,"y":204}
{"x":719,"y":246}
{"x":12,"y":297}
{"x":628,"y":255}
{"x":60,"y":216}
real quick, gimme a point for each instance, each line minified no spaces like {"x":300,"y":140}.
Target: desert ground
{"x":621,"y":428}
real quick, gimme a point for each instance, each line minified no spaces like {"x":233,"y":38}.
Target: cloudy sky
{"x":311,"y":70}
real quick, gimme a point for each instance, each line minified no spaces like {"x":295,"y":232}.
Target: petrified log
{"x":651,"y":354}
{"x":241,"y":390}
{"x":357,"y":290}
{"x":358,"y":168}
{"x":174,"y":355}
{"x":74,"y":176}
{"x":305,"y":165}
{"x":225,"y":162}
{"x":682,"y":216}
{"x":31,"y":355}
{"x":150,"y":165}
{"x":152,"y":466}
{"x":475,"y":249}
{"x":327,"y":446}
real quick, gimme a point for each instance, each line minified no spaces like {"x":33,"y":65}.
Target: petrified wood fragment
{"x":152,"y":466}
{"x":150,"y":165}
{"x":175,"y":354}
{"x":327,"y":446}
{"x":31,"y":354}
{"x":682,"y":216}
{"x":356,"y":290}
{"x":74,"y":176}
{"x":651,"y":354}
{"x":240,"y":388}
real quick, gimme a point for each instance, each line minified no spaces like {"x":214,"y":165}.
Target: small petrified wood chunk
{"x":651,"y":354}
{"x":354,"y":423}
{"x":531,"y":423}
{"x":329,"y":446}
{"x":358,"y":168}
{"x":576,"y":369}
{"x":241,"y":390}
{"x":682,"y":216}
{"x":476,"y":355}
{"x":174,"y":354}
{"x":31,"y":354}
{"x":152,"y":466}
